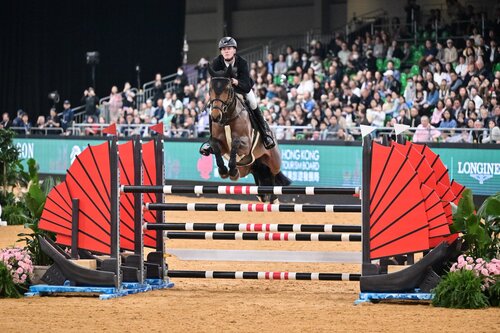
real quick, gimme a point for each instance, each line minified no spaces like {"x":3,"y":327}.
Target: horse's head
{"x":222,"y":95}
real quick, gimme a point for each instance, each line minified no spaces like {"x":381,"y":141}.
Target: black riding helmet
{"x":227,"y":42}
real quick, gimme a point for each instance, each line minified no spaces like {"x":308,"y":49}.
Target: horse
{"x":234,"y":137}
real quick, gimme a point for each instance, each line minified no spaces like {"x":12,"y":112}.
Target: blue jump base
{"x":378,"y":297}
{"x":104,"y":292}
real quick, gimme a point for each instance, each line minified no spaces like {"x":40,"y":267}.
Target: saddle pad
{"x":242,"y":160}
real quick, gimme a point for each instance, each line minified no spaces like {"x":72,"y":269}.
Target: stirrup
{"x":206,"y":149}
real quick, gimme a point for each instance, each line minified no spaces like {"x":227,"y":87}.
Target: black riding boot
{"x":263,"y":128}
{"x":205,"y":148}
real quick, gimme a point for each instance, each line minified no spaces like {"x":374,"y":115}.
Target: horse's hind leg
{"x":234,"y":173}
{"x":223,"y":172}
{"x":256,"y":172}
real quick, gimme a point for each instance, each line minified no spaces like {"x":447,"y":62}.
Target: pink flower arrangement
{"x":18,"y":262}
{"x":489,"y":272}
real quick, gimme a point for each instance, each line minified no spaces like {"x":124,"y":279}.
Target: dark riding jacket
{"x":240,"y":73}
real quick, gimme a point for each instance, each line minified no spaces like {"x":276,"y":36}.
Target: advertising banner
{"x":305,"y":164}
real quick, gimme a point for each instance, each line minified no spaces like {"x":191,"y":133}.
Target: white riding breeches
{"x":252,"y":100}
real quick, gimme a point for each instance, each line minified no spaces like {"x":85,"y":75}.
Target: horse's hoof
{"x":275,"y":201}
{"x":223,"y":172}
{"x":234,"y":176}
{"x":262,"y":197}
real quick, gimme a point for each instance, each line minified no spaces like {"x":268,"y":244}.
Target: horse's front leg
{"x":234,"y":173}
{"x":216,"y":148}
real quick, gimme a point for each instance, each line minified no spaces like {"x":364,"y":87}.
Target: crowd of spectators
{"x":447,"y":91}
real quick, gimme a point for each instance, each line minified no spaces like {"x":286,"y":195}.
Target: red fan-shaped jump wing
{"x":149,"y":178}
{"x":438,"y":225}
{"x":398,"y":221}
{"x":457,"y":189}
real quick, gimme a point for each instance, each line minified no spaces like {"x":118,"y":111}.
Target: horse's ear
{"x":211,"y":71}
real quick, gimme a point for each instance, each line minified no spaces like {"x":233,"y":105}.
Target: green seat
{"x":397,"y":63}
{"x":277,"y":80}
{"x":300,"y":136}
{"x":415,"y":70}
{"x":380,"y":64}
{"x":417,"y":55}
{"x":403,"y":78}
{"x":497,"y":67}
{"x":425,"y":35}
{"x":433,"y":35}
{"x":444,"y":34}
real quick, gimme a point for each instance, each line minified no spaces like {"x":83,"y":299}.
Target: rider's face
{"x":228,"y":52}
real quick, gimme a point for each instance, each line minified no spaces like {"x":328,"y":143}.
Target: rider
{"x":243,"y":85}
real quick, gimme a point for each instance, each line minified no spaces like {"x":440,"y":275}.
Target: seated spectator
{"x":306,"y":84}
{"x":403,"y":118}
{"x":375,"y":115}
{"x":448,"y":120}
{"x":280,"y":67}
{"x":493,"y":133}
{"x":432,"y":98}
{"x":430,"y":51}
{"x":456,"y":82}
{"x":344,"y":54}
{"x":18,"y":120}
{"x":91,"y":128}
{"x":477,"y":134}
{"x":450,"y":52}
{"x":5,"y":123}
{"x":53,"y":121}
{"x":414,"y":117}
{"x":426,"y":132}
{"x":39,"y":127}
{"x":342,"y":135}
{"x":379,"y":50}
{"x":461,"y":68}
{"x":437,"y":113}
{"x":25,"y":124}
{"x":391,"y":84}
{"x":395,"y":72}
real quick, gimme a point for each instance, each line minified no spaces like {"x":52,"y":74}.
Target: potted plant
{"x":16,"y":271}
{"x":35,"y":201}
{"x":14,"y":181}
{"x":474,"y":280}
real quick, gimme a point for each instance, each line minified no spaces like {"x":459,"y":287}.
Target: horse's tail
{"x":281,"y":180}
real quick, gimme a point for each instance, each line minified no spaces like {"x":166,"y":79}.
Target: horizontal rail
{"x":266,"y":256}
{"x":264,"y":236}
{"x":211,"y":189}
{"x":253,"y":227}
{"x":212,"y":207}
{"x":263,"y":275}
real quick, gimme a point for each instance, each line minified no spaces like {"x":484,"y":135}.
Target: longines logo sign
{"x":481,"y":171}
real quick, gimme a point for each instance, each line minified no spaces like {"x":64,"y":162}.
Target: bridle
{"x":227,"y":105}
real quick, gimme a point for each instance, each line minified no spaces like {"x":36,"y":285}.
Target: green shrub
{"x":494,"y":294}
{"x":461,"y":290}
{"x":7,"y":286}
